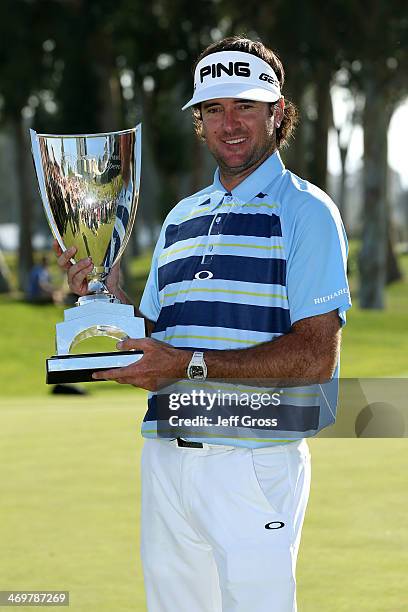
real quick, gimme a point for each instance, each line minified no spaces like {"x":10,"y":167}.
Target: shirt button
{"x":210,"y":248}
{"x":228,"y":198}
{"x":218,"y":219}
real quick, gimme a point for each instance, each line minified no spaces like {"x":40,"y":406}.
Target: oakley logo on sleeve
{"x":233,"y":68}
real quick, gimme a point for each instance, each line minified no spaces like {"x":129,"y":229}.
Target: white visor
{"x":234,"y":74}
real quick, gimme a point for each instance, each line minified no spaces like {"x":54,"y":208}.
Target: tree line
{"x":83,"y":66}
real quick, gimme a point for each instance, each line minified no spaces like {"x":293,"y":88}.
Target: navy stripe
{"x":189,"y":229}
{"x":226,"y":267}
{"x":224,"y":314}
{"x":151,"y":414}
{"x":289,"y":417}
{"x":257,"y":225}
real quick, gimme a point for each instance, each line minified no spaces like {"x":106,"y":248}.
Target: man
{"x":40,"y":289}
{"x":247,"y":281}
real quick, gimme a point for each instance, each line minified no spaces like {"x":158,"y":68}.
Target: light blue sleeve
{"x":150,"y":303}
{"x":316,"y":250}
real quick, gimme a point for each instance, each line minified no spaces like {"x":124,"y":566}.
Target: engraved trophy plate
{"x":89,"y":185}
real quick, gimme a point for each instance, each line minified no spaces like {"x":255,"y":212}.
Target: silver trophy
{"x":89,"y":186}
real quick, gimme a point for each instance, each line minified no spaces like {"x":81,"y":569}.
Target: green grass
{"x":375,"y":343}
{"x":69,"y":509}
{"x":69,"y":502}
{"x":354,"y":552}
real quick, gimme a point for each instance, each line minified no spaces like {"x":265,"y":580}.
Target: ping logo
{"x":274,"y":525}
{"x":268,"y":78}
{"x":233,"y":68}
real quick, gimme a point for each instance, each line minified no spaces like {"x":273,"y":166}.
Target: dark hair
{"x":239,"y":43}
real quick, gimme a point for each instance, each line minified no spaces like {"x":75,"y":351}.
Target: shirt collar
{"x":255,"y":183}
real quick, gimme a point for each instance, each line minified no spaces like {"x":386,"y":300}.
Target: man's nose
{"x":231,"y":120}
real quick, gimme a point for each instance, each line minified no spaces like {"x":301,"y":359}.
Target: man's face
{"x":239,"y":133}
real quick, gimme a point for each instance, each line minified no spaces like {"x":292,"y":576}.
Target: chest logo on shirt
{"x":203,"y":275}
{"x":274,"y":525}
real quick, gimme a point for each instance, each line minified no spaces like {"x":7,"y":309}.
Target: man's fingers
{"x":78,"y":273}
{"x":129,"y":344}
{"x":104,"y":375}
{"x":81,"y":265}
{"x":64,"y":259}
{"x":118,"y":374}
{"x":56,"y":247}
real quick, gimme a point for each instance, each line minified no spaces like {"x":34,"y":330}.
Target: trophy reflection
{"x":89,"y":186}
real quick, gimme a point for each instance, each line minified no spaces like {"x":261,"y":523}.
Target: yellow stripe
{"x":195,"y":212}
{"x":227,"y":205}
{"x":248,"y":246}
{"x":195,"y":246}
{"x":264,"y":205}
{"x":233,"y":291}
{"x":167,"y":338}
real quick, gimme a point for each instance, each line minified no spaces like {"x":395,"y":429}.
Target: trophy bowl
{"x":89,"y":186}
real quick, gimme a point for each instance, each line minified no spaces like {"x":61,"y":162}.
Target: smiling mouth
{"x":234,"y":141}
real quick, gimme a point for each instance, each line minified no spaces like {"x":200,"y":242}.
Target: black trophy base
{"x":79,"y":368}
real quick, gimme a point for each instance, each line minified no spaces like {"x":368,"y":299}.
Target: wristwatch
{"x":197,"y":368}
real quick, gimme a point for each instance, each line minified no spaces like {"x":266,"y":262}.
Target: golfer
{"x":248,"y":280}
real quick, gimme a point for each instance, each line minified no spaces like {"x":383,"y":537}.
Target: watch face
{"x":196,"y":371}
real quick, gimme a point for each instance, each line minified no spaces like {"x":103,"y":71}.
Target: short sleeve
{"x":150,"y":304}
{"x":316,"y":250}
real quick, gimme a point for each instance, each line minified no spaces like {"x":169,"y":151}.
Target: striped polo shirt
{"x":235,"y":269}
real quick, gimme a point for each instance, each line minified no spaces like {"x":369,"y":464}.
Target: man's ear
{"x":279,"y":110}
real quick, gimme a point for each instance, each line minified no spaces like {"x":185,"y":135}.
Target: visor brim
{"x":258,"y":94}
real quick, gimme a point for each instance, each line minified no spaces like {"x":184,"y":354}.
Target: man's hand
{"x":77,"y":273}
{"x":160,"y":361}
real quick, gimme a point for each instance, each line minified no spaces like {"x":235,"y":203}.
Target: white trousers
{"x":221,"y":526}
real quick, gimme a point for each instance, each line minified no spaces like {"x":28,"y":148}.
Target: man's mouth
{"x":234,"y":141}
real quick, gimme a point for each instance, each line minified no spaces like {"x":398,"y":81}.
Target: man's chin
{"x":238,"y":165}
{"x":234,"y":166}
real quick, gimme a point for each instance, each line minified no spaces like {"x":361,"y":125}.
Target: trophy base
{"x":79,"y":368}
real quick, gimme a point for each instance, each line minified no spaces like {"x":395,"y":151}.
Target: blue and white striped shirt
{"x":232,"y":270}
